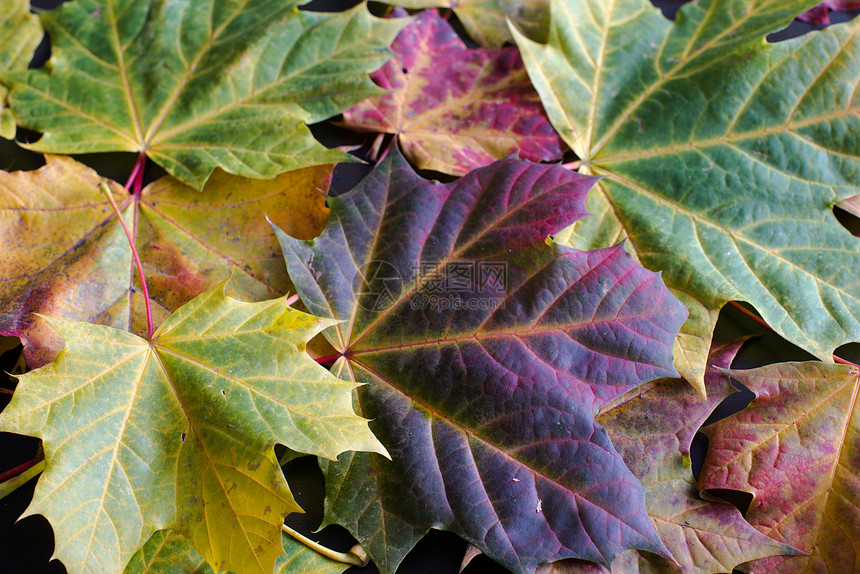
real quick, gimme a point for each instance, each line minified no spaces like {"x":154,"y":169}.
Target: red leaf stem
{"x":136,"y":258}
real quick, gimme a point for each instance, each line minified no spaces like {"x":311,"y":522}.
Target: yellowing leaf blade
{"x":140,"y":437}
{"x":66,"y":254}
{"x":100,"y":487}
{"x":167,"y":552}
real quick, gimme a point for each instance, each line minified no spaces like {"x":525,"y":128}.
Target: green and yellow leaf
{"x":179,"y":433}
{"x":167,"y":552}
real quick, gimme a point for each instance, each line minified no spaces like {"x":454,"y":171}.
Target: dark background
{"x":26,"y":545}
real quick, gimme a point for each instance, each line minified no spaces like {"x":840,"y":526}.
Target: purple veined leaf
{"x":821,"y":13}
{"x":653,"y":427}
{"x":486,"y":352}
{"x":455,"y":109}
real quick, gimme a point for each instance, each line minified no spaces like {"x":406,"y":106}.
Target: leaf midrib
{"x":728,"y":139}
{"x":209,"y":460}
{"x":505,"y":452}
{"x":488,"y":228}
{"x":594,"y":150}
{"x":244,"y":101}
{"x":598,"y":76}
{"x":123,"y":69}
{"x":477,"y":337}
{"x":735,"y":239}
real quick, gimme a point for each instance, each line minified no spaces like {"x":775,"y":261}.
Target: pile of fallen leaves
{"x":520,"y":353}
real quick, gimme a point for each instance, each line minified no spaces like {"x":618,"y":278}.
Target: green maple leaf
{"x":20,"y":33}
{"x":201,"y":84}
{"x":724,"y":156}
{"x":179,"y":433}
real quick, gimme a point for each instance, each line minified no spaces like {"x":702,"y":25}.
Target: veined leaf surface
{"x":821,"y":13}
{"x":653,"y":427}
{"x":199,"y":84}
{"x":20,"y":33}
{"x":455,"y":109}
{"x":724,"y":155}
{"x":486,"y":353}
{"x":65,"y":253}
{"x":179,"y":433}
{"x":796,"y":449}
{"x":167,"y":552}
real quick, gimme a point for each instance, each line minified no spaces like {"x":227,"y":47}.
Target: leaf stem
{"x":135,"y":180}
{"x":373,"y":154}
{"x":356,"y":555}
{"x":10,"y":485}
{"x":751,"y":315}
{"x":844,"y":361}
{"x":106,"y":190}
{"x":329,"y":358}
{"x":13,"y":472}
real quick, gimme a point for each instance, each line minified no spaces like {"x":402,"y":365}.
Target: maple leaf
{"x":20,"y":33}
{"x":653,"y":427}
{"x":66,"y":255}
{"x":167,"y":552}
{"x":795,"y":449}
{"x":199,"y":84}
{"x":179,"y":433}
{"x":721,"y":177}
{"x":821,"y":13}
{"x":455,"y":109}
{"x":485,"y":20}
{"x":485,"y":353}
